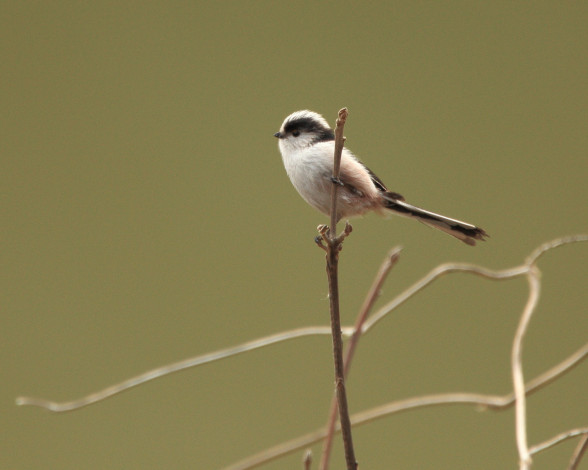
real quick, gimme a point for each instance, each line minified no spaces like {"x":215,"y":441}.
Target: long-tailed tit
{"x":307,"y":145}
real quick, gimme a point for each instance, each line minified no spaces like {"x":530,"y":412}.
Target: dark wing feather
{"x":382,"y":187}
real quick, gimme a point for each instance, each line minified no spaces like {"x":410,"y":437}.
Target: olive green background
{"x":146,"y":218}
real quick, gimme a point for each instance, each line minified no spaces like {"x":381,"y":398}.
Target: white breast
{"x":310,"y":170}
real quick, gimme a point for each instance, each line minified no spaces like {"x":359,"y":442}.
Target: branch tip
{"x":307,"y":459}
{"x":342,"y":116}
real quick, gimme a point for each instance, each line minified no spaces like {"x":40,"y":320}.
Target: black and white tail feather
{"x":463,"y":231}
{"x":395,"y":202}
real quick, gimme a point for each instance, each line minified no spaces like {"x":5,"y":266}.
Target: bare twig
{"x":370,"y":300}
{"x":307,"y":460}
{"x":60,"y":407}
{"x":486,"y":401}
{"x":366,"y":308}
{"x":449,"y":268}
{"x":533,"y":278}
{"x":297,"y":333}
{"x":479,"y":401}
{"x":339,"y":143}
{"x":550,"y":245}
{"x":433,"y":275}
{"x":557,"y":439}
{"x":494,"y":402}
{"x":333,"y":244}
{"x":578,"y":453}
{"x":517,"y":369}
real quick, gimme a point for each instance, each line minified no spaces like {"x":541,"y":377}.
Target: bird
{"x":307,"y":144}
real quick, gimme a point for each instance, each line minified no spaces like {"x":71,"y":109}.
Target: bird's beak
{"x":278,"y":135}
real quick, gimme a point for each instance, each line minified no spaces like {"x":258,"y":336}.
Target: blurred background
{"x":147,"y":218}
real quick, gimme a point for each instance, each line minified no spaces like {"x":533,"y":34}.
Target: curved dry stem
{"x":557,"y":439}
{"x":517,"y":368}
{"x":578,"y":453}
{"x":480,"y":401}
{"x":450,"y":268}
{"x":518,"y":395}
{"x":550,"y":245}
{"x":533,"y":278}
{"x":60,"y":407}
{"x":433,"y":275}
{"x":489,"y":401}
{"x":288,"y":335}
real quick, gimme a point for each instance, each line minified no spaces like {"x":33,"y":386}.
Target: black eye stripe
{"x":303,"y":125}
{"x":297,"y":126}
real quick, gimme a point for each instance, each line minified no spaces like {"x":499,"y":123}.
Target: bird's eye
{"x":296,"y":133}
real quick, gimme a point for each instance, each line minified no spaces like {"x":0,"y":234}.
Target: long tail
{"x":463,"y":231}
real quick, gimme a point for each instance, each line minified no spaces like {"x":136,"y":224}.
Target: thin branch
{"x":578,"y":453}
{"x":300,"y":332}
{"x":339,"y":143}
{"x":373,"y":294}
{"x":550,"y":245}
{"x":480,"y":401}
{"x":433,"y":275}
{"x":307,"y":460}
{"x":370,"y":300}
{"x":493,"y":402}
{"x":450,"y":268}
{"x":59,"y":407}
{"x":533,"y":278}
{"x":555,"y":372}
{"x":557,"y":439}
{"x":517,"y":369}
{"x":333,"y":245}
{"x":486,"y":401}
